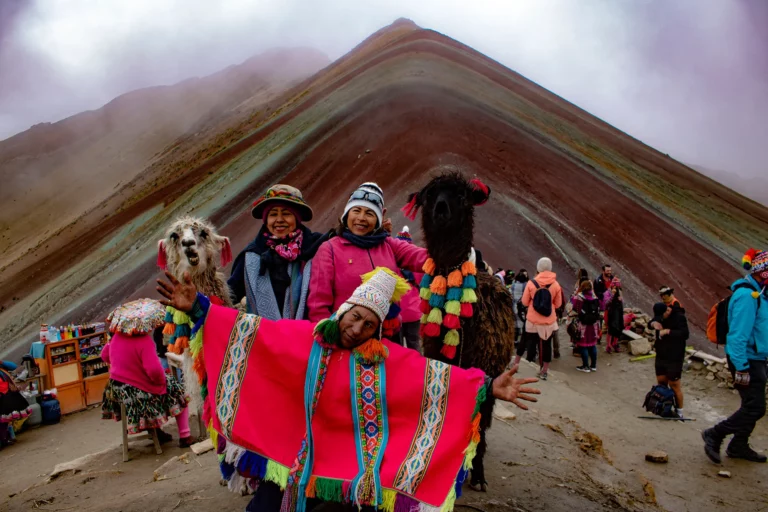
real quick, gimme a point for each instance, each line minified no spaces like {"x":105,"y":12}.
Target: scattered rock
{"x":722,"y":385}
{"x":639,"y":347}
{"x":710,"y":376}
{"x":202,"y":447}
{"x":723,"y":375}
{"x":501,"y":412}
{"x":554,"y":428}
{"x":367,"y":150}
{"x":697,"y":365}
{"x":160,"y":473}
{"x":650,"y":492}
{"x":724,"y":474}
{"x":712,"y":368}
{"x":657,"y":456}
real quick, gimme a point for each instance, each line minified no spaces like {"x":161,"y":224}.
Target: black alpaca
{"x":487,"y":338}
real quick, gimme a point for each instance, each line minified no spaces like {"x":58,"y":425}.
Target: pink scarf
{"x":288,"y":247}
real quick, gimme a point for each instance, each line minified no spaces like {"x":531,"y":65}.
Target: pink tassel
{"x":449,"y":351}
{"x":410,"y":209}
{"x":226,"y":252}
{"x":162,"y":258}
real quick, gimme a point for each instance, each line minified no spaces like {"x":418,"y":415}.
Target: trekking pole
{"x":667,"y":419}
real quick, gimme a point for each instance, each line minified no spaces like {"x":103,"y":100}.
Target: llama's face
{"x":447,"y":202}
{"x":193,"y":245}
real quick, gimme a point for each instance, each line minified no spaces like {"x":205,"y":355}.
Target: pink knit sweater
{"x":133,"y":360}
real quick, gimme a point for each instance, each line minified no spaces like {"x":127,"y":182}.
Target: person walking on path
{"x":409,"y":304}
{"x":746,"y":350}
{"x":671,"y":327}
{"x":361,"y":245}
{"x":586,"y":307}
{"x":601,"y":285}
{"x":273,"y":271}
{"x":542,"y":297}
{"x":613,"y":303}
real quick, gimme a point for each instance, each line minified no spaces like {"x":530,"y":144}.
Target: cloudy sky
{"x":689,"y":77}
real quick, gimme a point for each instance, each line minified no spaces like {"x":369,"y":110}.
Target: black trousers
{"x":742,"y":422}
{"x":528,"y":343}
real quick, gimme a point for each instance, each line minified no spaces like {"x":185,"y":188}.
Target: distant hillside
{"x":405,"y":104}
{"x":755,"y":189}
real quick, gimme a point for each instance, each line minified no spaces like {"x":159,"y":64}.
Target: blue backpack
{"x":660,"y":401}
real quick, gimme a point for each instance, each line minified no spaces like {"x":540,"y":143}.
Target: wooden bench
{"x":143,"y":435}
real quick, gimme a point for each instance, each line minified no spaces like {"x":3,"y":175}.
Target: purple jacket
{"x":338,"y":265}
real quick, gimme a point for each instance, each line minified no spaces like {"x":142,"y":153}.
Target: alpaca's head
{"x":192,"y":244}
{"x":448,"y":210}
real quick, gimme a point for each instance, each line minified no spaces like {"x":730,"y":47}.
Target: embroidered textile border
{"x":233,"y":369}
{"x":434,"y":403}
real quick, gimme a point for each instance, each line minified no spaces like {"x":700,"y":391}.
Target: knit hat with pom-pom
{"x":405,"y":235}
{"x":755,"y":261}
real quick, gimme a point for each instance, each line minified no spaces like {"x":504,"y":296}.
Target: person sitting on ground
{"x":613,"y":303}
{"x":747,"y":354}
{"x":281,"y":413}
{"x":136,"y":377}
{"x":668,"y":296}
{"x":273,"y":272}
{"x":586,"y":307}
{"x":671,"y":327}
{"x":542,"y":296}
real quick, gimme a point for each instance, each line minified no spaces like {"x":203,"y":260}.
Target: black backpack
{"x":590,"y":312}
{"x":542,"y":300}
{"x":660,"y":401}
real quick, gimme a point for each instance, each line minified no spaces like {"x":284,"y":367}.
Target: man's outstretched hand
{"x":178,"y":295}
{"x":506,"y":387}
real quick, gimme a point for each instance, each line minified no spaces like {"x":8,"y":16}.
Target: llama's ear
{"x":226,"y":251}
{"x":162,"y":257}
{"x":480,"y":192}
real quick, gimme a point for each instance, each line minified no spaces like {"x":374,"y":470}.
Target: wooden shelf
{"x":64,"y":364}
{"x":99,"y":376}
{"x":93,"y":358}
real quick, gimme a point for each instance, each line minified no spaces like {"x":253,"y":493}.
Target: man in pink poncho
{"x":304,"y":413}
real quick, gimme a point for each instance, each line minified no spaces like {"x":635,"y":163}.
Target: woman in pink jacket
{"x":136,"y":377}
{"x":537,"y":323}
{"x":361,"y":246}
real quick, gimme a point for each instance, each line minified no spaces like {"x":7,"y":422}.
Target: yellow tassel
{"x":468,"y":269}
{"x":424,"y":319}
{"x":388,"y":500}
{"x":429,"y":267}
{"x":425,"y":293}
{"x":435,"y":316}
{"x":180,"y":318}
{"x":450,"y":501}
{"x":277,"y":473}
{"x":452,"y":338}
{"x":439,"y":285}
{"x":469,"y":455}
{"x":455,"y":279}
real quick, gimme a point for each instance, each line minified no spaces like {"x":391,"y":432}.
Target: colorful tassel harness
{"x":444,"y":301}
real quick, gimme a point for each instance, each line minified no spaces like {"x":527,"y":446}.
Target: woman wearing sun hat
{"x":362,"y":245}
{"x":273,"y":271}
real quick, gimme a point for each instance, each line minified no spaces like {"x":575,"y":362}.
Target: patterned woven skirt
{"x":143,"y":410}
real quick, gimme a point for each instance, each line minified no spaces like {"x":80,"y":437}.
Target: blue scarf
{"x":367,"y":241}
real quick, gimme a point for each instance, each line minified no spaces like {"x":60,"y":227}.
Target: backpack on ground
{"x":590,"y":312}
{"x":717,"y":321}
{"x":542,"y":299}
{"x":660,"y":401}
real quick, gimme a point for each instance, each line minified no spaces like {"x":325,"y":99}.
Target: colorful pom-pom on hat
{"x":755,"y":261}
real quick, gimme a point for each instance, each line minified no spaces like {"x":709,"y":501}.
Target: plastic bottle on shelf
{"x":44,"y":333}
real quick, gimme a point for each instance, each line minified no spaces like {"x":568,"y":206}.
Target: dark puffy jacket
{"x":672,"y":346}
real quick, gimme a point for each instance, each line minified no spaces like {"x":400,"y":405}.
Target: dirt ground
{"x":581,"y":447}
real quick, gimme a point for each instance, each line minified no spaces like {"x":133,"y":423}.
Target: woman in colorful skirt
{"x":137,"y":378}
{"x":13,"y":407}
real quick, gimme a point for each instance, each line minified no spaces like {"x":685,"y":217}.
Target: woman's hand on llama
{"x":178,"y":295}
{"x":506,"y":387}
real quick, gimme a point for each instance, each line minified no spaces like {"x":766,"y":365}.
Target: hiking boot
{"x":584,"y":369}
{"x":593,"y":368}
{"x":745,"y":452}
{"x":543,"y":375}
{"x":712,"y":442}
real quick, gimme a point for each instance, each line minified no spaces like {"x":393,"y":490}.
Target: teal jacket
{"x":747,"y":325}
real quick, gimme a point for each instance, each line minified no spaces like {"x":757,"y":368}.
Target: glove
{"x":741,"y":379}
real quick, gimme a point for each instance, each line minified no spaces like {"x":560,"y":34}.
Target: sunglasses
{"x":371,"y":197}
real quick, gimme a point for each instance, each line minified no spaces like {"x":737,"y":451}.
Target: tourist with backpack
{"x":516,"y":289}
{"x":746,"y":349}
{"x":542,"y":296}
{"x":672,"y":333}
{"x":613,"y":304}
{"x":586,"y":307}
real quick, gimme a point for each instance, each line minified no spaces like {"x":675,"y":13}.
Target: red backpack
{"x":717,"y":321}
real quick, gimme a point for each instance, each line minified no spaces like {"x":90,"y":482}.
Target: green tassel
{"x":277,"y":473}
{"x":453,"y":307}
{"x":327,"y":489}
{"x":452,"y":338}
{"x":388,"y":500}
{"x":450,"y":501}
{"x":435,"y":317}
{"x":329,"y":330}
{"x":221,"y":457}
{"x":479,"y":399}
{"x":204,"y":390}
{"x":179,"y":317}
{"x":469,"y":296}
{"x":196,"y":343}
{"x":424,"y":319}
{"x":425,"y":293}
